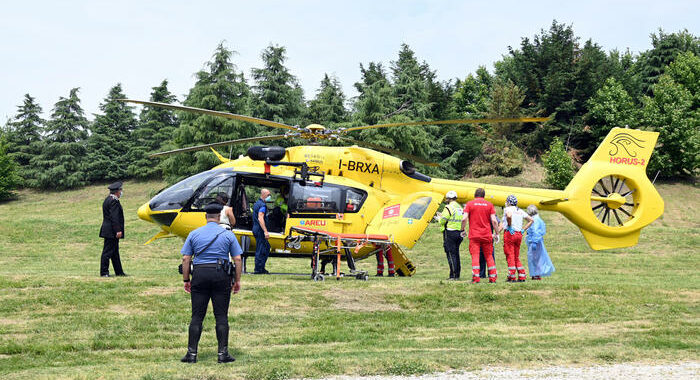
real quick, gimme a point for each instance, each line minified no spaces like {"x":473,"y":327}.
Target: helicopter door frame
{"x":244,"y":211}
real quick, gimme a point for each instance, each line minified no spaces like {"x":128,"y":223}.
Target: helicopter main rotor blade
{"x":455,"y":121}
{"x":392,"y":151}
{"x":229,"y":142}
{"x":227,"y":115}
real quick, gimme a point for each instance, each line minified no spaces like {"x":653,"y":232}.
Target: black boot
{"x":192,"y":343}
{"x":222,"y":339}
{"x":190,"y":356}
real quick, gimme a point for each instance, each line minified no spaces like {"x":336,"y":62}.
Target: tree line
{"x":585,"y":90}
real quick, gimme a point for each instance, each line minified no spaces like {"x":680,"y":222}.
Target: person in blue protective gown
{"x":538,"y":260}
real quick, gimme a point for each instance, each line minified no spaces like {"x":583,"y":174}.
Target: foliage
{"x":24,"y":138}
{"x":220,"y":88}
{"x":62,"y":160}
{"x":610,"y":107}
{"x":670,"y":112}
{"x":110,"y":142}
{"x":153,"y":134}
{"x":328,"y":107}
{"x":9,"y":179}
{"x":277,"y":95}
{"x":652,"y":63}
{"x":498,"y":157}
{"x":505,"y":101}
{"x":558,"y":166}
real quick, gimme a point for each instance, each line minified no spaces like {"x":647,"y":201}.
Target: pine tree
{"x":60,"y":165}
{"x":219,"y":88}
{"x":665,"y":48}
{"x":9,"y":179}
{"x":408,"y":101}
{"x":154,"y":133}
{"x":374,"y":102}
{"x":109,"y":143}
{"x":328,"y":107}
{"x":277,"y":94}
{"x":24,"y":138}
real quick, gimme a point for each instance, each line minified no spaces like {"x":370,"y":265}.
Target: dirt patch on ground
{"x":159,"y":291}
{"x":124,"y":310}
{"x":359,"y":300}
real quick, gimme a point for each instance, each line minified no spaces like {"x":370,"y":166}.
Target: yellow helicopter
{"x":353,"y":201}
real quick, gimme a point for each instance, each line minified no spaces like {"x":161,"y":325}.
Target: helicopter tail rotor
{"x":611,"y":198}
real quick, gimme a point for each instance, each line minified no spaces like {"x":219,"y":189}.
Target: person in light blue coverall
{"x":538,"y":260}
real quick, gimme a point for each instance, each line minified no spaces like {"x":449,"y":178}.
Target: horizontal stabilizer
{"x":599,"y":242}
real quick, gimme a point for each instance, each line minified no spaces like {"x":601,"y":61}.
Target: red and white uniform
{"x":512,"y":236}
{"x":479,"y":212}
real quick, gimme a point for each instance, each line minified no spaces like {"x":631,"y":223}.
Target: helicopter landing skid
{"x":339,"y":242}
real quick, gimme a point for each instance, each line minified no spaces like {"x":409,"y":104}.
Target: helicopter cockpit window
{"x":417,"y":208}
{"x":315,"y":199}
{"x":218,"y":185}
{"x":177,"y":195}
{"x":353,"y":200}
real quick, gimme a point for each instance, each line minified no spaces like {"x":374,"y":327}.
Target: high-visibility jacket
{"x":451,"y":217}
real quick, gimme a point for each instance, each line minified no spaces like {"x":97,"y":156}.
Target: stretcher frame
{"x":336,"y":243}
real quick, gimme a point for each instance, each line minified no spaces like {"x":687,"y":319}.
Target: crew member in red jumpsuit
{"x":482,"y":217}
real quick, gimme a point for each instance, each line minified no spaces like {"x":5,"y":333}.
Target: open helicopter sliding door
{"x":404,"y":220}
{"x":246,"y":193}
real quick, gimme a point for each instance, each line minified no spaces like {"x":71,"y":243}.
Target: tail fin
{"x":611,"y":198}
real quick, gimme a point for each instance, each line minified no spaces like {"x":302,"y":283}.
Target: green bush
{"x":9,"y":179}
{"x":558,"y":166}
{"x":498,"y":157}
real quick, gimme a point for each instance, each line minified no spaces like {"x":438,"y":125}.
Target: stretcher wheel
{"x":318,"y":277}
{"x":362,"y":276}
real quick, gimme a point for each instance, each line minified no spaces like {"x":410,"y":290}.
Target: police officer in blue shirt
{"x":262,"y":246}
{"x":212,"y":248}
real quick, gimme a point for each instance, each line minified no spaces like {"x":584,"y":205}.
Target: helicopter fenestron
{"x":362,"y":199}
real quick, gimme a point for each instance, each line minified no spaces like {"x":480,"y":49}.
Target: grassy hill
{"x":59,"y":319}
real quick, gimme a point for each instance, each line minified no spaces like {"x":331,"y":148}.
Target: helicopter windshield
{"x":177,"y":195}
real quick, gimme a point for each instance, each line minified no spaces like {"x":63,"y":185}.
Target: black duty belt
{"x":211,"y":265}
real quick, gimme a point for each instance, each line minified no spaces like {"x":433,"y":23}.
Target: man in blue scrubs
{"x":262,"y":246}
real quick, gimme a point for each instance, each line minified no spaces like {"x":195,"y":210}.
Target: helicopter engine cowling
{"x":266,"y":153}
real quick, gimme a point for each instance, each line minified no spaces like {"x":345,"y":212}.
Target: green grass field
{"x":59,"y":319}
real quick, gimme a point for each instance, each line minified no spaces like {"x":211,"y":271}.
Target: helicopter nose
{"x":145,"y":213}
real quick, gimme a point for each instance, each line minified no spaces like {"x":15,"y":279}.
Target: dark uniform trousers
{"x":210,"y":282}
{"x":262,"y":248}
{"x":110,"y":251}
{"x":451,"y":242}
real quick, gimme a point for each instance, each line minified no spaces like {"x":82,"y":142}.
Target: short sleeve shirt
{"x":224,"y":244}
{"x":259,"y":207}
{"x":480,"y":211}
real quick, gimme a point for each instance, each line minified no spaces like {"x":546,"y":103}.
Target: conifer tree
{"x":154,"y":133}
{"x":61,"y":163}
{"x":277,"y":95}
{"x":409,"y":101}
{"x":328,"y":107}
{"x":374,"y":102}
{"x":109,"y":143}
{"x":24,"y":138}
{"x":9,"y":179}
{"x":221,"y":88}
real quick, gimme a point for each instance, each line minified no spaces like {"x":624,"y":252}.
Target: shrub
{"x":498,"y":157}
{"x":558,"y":166}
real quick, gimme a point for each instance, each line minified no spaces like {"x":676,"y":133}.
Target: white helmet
{"x":451,"y":194}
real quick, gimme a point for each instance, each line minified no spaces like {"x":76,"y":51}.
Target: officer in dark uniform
{"x":112,"y":230}
{"x":260,"y":223}
{"x":212,"y":248}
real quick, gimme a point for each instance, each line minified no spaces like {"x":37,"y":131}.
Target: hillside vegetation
{"x":59,"y":319}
